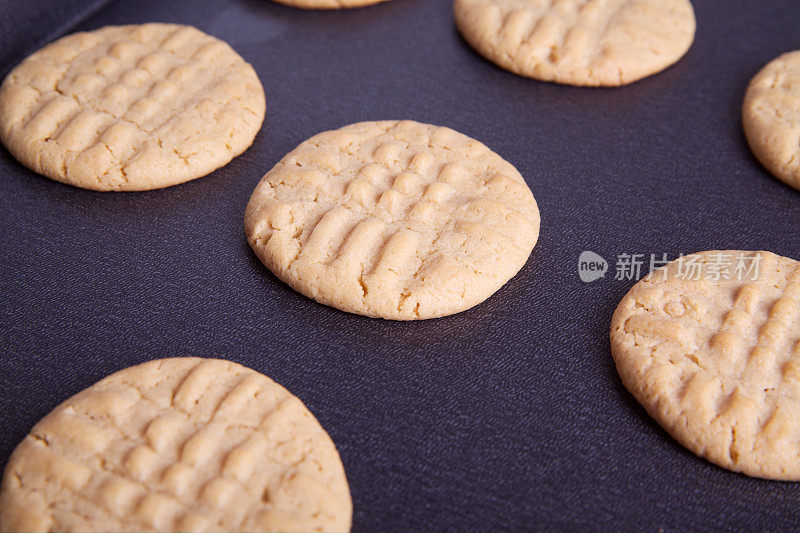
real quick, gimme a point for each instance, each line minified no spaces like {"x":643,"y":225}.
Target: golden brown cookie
{"x":182,"y":444}
{"x":579,"y":42}
{"x":771,"y":117}
{"x":130,"y":108}
{"x":328,"y":4}
{"x":393,"y":219}
{"x":709,"y":345}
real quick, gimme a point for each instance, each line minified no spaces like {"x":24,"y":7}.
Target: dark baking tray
{"x":509,"y":416}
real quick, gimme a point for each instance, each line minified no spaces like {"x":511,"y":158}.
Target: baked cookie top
{"x":328,"y":4}
{"x":709,"y":345}
{"x":393,"y":219}
{"x":579,"y":42}
{"x":182,"y":444}
{"x":771,"y":117}
{"x":130,"y":107}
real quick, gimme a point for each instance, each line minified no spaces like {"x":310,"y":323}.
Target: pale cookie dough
{"x":128,"y":108}
{"x":328,"y":4}
{"x":391,"y":219}
{"x":710,"y":346}
{"x":771,"y":117}
{"x":579,"y":42}
{"x":184,"y":444}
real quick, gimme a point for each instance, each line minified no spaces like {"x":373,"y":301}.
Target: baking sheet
{"x":509,"y":416}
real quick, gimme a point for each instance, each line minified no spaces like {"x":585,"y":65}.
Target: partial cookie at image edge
{"x":590,"y":44}
{"x":329,"y":4}
{"x":771,"y":117}
{"x":714,"y":360}
{"x":180,"y":444}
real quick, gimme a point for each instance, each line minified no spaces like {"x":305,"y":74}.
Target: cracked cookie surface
{"x":579,"y":42}
{"x":771,"y":117}
{"x":715,"y":359}
{"x":183,"y":444}
{"x":328,"y":4}
{"x":130,"y":107}
{"x":393,"y":219}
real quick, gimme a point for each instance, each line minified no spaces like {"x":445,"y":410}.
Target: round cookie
{"x":130,"y":108}
{"x":709,"y":345}
{"x":393,"y":219}
{"x":328,"y":4}
{"x":771,"y":117}
{"x":579,"y":42}
{"x":184,"y":444}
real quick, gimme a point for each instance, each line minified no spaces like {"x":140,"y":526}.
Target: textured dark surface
{"x":27,"y":24}
{"x":508,"y":416}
